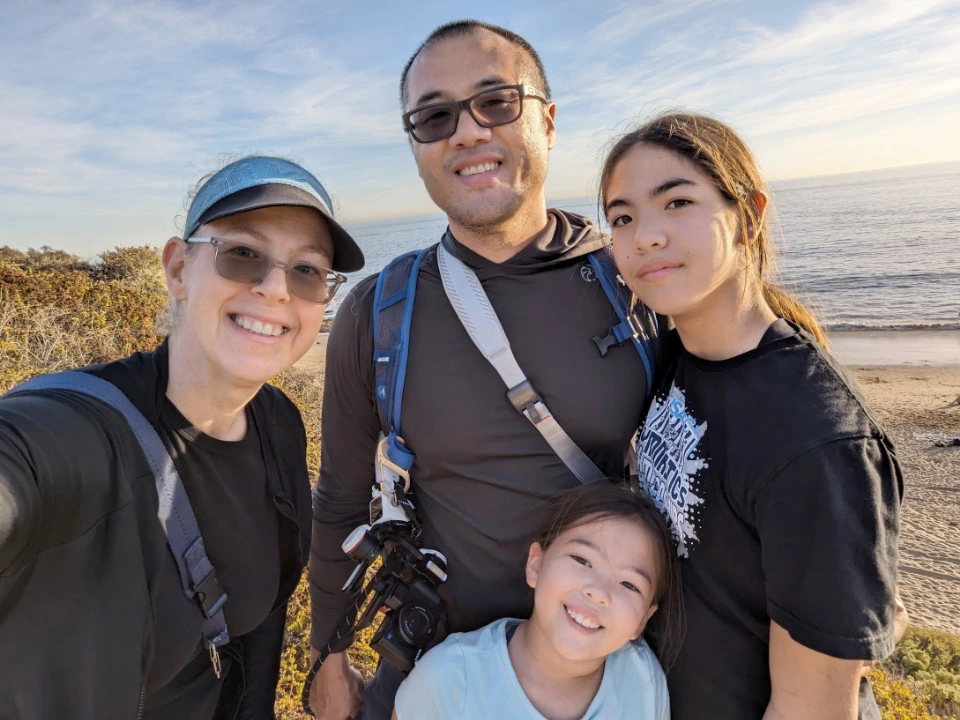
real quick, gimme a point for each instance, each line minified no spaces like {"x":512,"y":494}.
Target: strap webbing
{"x":479,"y":319}
{"x":197,"y":575}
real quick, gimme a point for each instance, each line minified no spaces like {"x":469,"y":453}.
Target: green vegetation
{"x":921,"y":679}
{"x":58,"y":311}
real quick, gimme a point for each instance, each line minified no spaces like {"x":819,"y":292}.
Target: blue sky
{"x":110,"y":110}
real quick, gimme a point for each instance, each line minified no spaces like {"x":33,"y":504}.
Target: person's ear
{"x":758,"y":201}
{"x":174,"y":259}
{"x":643,"y":623}
{"x":549,"y":117}
{"x":534,"y":564}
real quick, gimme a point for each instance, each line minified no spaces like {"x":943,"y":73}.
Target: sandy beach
{"x":912,"y":382}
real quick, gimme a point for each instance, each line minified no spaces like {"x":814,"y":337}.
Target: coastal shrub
{"x":927,"y":662}
{"x":895,"y":700}
{"x":139,"y":266}
{"x":305,"y":389}
{"x":58,"y":311}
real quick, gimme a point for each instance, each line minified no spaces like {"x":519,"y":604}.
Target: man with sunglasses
{"x":480,"y":122}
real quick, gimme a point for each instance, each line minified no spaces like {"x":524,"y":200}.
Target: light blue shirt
{"x":469,"y":677}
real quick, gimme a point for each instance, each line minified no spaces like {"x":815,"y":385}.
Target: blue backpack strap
{"x":392,"y":313}
{"x":198,"y":578}
{"x":638,"y":323}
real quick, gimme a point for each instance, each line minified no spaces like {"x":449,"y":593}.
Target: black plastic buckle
{"x":210,"y":594}
{"x":524,"y":398}
{"x":606,"y":342}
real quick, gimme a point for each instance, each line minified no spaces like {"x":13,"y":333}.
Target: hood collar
{"x":566,"y":236}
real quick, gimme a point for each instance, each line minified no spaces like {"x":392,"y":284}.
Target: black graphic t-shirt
{"x":783,"y":494}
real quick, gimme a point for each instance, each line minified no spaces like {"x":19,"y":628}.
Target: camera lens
{"x":361,"y":546}
{"x":416,"y":624}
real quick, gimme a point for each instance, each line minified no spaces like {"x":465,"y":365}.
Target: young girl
{"x":601,"y":565}
{"x":782,"y":491}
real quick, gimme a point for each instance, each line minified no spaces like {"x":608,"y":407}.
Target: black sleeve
{"x":57,"y":458}
{"x":21,"y":511}
{"x":350,"y":429}
{"x":828,"y":524}
{"x":261,"y":666}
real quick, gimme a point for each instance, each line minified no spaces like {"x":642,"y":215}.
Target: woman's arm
{"x":54,"y":474}
{"x":20,"y":505}
{"x":808,"y":684}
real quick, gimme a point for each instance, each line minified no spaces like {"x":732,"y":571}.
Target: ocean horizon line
{"x":552,"y":201}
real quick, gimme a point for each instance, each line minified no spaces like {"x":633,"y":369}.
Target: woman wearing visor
{"x":94,"y":622}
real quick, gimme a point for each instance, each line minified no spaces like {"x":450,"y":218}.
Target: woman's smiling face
{"x":594,"y":587}
{"x":676,"y":239}
{"x":248,"y":333}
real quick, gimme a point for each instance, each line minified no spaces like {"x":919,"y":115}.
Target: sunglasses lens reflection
{"x":244,"y":264}
{"x":491,"y":108}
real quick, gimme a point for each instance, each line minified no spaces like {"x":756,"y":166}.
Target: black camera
{"x":404,"y":588}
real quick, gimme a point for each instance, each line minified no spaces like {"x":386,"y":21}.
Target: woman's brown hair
{"x":718,"y":152}
{"x":612,"y":500}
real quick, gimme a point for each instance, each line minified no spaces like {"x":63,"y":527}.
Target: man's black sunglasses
{"x":489,"y":108}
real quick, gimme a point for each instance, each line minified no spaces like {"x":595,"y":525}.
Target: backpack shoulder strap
{"x":198,"y":577}
{"x":392,"y":314}
{"x":638,"y":323}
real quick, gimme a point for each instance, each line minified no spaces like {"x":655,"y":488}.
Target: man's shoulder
{"x":360,"y":297}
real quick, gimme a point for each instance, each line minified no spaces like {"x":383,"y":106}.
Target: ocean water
{"x":876,"y":250}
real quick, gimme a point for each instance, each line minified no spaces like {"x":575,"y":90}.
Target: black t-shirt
{"x":783,"y":494}
{"x":226,"y":483}
{"x":92,"y":619}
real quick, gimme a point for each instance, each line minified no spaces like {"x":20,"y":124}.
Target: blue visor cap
{"x":258,"y":182}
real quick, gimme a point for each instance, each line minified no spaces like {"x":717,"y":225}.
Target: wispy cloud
{"x":628,"y":22}
{"x":834,"y":64}
{"x":110,"y":109}
{"x":166,"y":82}
{"x":828,"y":29}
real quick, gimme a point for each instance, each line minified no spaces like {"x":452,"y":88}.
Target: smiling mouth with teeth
{"x":477,"y":169}
{"x":581,"y":620}
{"x":259,"y":328}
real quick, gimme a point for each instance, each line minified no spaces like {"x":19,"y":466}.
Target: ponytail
{"x":789,"y":308}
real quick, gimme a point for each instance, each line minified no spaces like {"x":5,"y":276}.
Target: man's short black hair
{"x":466,"y":27}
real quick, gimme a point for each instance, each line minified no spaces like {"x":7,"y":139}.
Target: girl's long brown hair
{"x":722,"y":155}
{"x":614,"y":500}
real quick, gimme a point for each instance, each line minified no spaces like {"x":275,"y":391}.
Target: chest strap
{"x":198,"y":578}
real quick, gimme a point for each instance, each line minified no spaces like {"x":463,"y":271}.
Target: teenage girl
{"x":602,"y":563}
{"x":782,"y":491}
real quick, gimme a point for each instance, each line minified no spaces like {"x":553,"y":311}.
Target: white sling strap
{"x":479,"y":319}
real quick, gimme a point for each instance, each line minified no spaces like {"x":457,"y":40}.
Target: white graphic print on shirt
{"x":668,"y":464}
